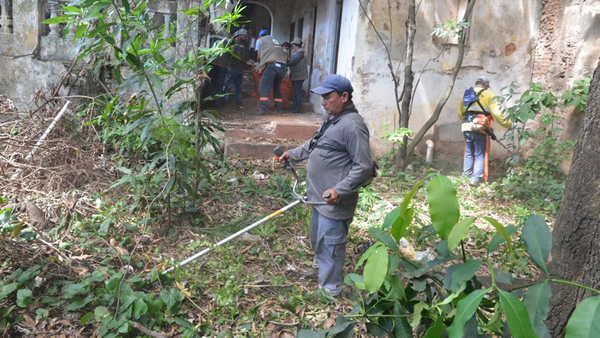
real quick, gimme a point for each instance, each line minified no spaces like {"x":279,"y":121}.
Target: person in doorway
{"x":218,"y":71}
{"x":272,"y":66}
{"x":339,"y":161}
{"x":286,"y":50}
{"x":298,"y":73}
{"x":476,"y":134}
{"x":237,"y":65}
{"x":252,"y":44}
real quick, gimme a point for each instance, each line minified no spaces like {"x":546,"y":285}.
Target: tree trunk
{"x":411,"y":28}
{"x":576,"y":235}
{"x":438,"y":109}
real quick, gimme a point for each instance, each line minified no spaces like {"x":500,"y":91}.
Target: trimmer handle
{"x":278,"y":152}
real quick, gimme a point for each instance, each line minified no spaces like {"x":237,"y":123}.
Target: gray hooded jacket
{"x":341,"y":160}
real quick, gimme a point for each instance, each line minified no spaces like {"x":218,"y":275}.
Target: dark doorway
{"x":257,"y":16}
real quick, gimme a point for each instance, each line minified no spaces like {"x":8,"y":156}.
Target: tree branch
{"x":436,"y":113}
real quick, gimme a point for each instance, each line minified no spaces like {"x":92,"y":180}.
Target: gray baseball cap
{"x":483,"y":80}
{"x":334,"y":82}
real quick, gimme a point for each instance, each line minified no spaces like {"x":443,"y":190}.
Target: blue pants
{"x":297,"y":86}
{"x":474,"y":161}
{"x":271,"y":80}
{"x":217,"y":78}
{"x":328,"y":238}
{"x":234,"y":78}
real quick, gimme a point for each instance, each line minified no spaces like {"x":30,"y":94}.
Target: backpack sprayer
{"x":300,"y":199}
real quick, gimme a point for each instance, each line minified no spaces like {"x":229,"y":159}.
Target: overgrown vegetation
{"x":537,"y":116}
{"x":96,"y":268}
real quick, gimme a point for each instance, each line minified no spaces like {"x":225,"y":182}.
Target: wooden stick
{"x":146,"y":330}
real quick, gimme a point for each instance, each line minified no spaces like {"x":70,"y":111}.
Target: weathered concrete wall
{"x":22,"y":70}
{"x":511,"y":42}
{"x":502,"y":51}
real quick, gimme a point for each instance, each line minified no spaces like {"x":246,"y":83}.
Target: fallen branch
{"x":146,"y":330}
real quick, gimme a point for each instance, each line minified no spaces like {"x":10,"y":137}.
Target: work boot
{"x":260,"y":112}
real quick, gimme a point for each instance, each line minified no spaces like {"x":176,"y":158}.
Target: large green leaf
{"x":308,"y":334}
{"x":459,"y":231}
{"x":497,"y":239}
{"x":538,"y":239}
{"x":465,"y":310}
{"x":501,"y":230}
{"x":436,"y":330}
{"x":460,"y":273}
{"x":537,"y":302}
{"x":516,"y":316}
{"x":382,"y":236}
{"x":443,"y":205}
{"x":376,"y":268}
{"x":585,"y":320}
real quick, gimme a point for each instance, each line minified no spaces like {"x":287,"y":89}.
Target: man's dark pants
{"x":271,"y":80}
{"x":297,"y":86}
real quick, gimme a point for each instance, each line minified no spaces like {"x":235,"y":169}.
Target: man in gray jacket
{"x":339,"y":162}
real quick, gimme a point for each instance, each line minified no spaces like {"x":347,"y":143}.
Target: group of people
{"x":273,"y":61}
{"x":227,"y":70}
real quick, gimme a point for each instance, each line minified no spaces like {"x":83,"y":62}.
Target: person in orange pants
{"x":272,"y":65}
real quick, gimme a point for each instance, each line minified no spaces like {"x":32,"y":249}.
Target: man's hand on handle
{"x":331,"y":196}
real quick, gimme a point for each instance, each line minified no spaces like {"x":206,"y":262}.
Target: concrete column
{"x":26,"y":26}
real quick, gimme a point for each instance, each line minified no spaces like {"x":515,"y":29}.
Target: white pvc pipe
{"x":48,"y":130}
{"x":39,"y":142}
{"x":429,"y":155}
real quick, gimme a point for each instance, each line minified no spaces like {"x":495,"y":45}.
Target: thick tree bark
{"x":576,"y":235}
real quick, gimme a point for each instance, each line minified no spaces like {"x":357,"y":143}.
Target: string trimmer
{"x":299,"y":199}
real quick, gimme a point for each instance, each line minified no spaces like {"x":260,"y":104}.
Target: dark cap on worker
{"x":263,"y":32}
{"x":483,"y":80}
{"x":334,"y":82}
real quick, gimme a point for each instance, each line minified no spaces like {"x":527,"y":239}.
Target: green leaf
{"x":308,"y":334}
{"x":585,"y":320}
{"x":72,"y":290}
{"x":465,"y":310}
{"x":461,"y":273}
{"x":537,"y":302}
{"x":497,"y":239}
{"x":436,"y":330}
{"x":385,"y":238}
{"x":78,"y":303}
{"x":443,"y":205}
{"x":86,"y":318}
{"x":8,"y":289}
{"x":105,"y":227}
{"x":459,"y":231}
{"x":101,"y":312}
{"x":171,"y":297}
{"x":356,"y":280}
{"x":24,"y":297}
{"x":155,"y":81}
{"x":376,"y":268}
{"x":501,"y":230}
{"x":538,"y":239}
{"x":41,"y":313}
{"x":401,"y":217}
{"x":516,"y":316}
{"x":139,"y":308}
